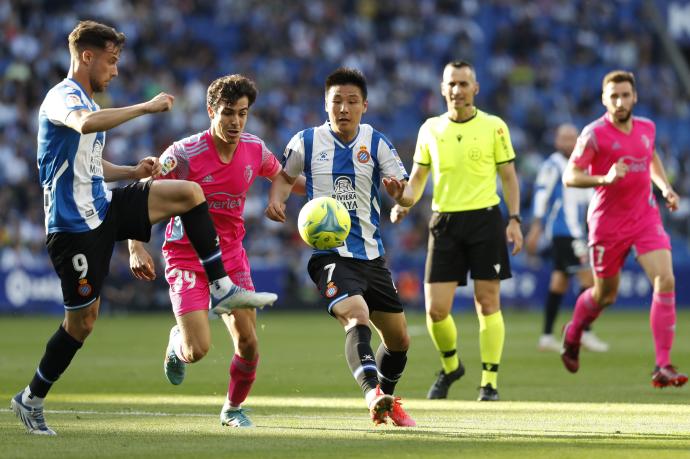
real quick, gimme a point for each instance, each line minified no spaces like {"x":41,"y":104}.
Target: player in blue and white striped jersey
{"x":348,"y":161}
{"x":84,"y":219}
{"x":559,"y":215}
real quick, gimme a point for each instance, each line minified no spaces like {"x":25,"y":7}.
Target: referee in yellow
{"x":464,"y":149}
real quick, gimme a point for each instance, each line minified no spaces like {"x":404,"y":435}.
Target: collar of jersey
{"x":476,"y":112}
{"x":340,"y":142}
{"x":82,"y":90}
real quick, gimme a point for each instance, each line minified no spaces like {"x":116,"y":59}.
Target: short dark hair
{"x":618,"y":76}
{"x":92,"y":34}
{"x":345,"y":75}
{"x":460,"y":63}
{"x":230,"y":88}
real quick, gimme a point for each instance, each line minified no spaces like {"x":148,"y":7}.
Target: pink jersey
{"x":225,"y":187}
{"x":628,"y":205}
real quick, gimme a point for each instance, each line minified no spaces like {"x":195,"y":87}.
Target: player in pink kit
{"x":225,"y":161}
{"x":616,"y":155}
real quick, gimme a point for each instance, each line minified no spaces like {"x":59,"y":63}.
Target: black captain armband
{"x":515,"y":217}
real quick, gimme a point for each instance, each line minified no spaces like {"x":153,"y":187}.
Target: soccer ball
{"x":324,"y":223}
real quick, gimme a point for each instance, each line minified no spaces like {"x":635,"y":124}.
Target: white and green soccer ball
{"x":324,"y":223}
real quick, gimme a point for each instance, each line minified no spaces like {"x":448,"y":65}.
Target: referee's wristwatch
{"x":515,"y":217}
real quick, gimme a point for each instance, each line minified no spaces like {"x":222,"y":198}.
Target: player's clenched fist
{"x":163,"y":102}
{"x":398,"y":212}
{"x":276,"y":211}
{"x":616,"y":172}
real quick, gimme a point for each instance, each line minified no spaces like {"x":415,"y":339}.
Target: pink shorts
{"x":608,"y":256}
{"x":189,"y":289}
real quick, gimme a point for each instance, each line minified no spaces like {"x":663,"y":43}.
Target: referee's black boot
{"x":488,"y":394}
{"x":439,"y":389}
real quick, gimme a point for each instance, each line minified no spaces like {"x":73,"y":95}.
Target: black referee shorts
{"x":82,"y":260}
{"x":473,"y":240}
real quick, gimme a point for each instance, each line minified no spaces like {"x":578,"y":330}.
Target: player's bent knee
{"x":665,"y":283}
{"x":437,"y":314}
{"x":195,"y":352}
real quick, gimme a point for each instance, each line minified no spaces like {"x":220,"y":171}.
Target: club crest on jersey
{"x":331,"y":290}
{"x":168,"y":164}
{"x":84,"y":288}
{"x":248,"y":173}
{"x":363,"y":155}
{"x":344,"y":192}
{"x":73,"y":100}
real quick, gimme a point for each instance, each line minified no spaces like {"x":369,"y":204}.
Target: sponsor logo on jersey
{"x":363,"y":155}
{"x":95,"y":165}
{"x":345,"y":192}
{"x":84,"y":288}
{"x":635,"y":164}
{"x":331,"y":290}
{"x":223,"y":200}
{"x":322,"y":157}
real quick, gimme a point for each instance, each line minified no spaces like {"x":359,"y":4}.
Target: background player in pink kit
{"x":225,"y":161}
{"x":618,"y":152}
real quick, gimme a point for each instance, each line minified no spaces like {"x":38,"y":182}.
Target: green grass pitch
{"x":114,"y":401}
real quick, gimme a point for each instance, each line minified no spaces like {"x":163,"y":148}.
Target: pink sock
{"x":242,"y":376}
{"x":586,"y":311}
{"x":662,"y":319}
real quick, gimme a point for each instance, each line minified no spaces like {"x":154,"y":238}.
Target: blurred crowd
{"x":539,"y":63}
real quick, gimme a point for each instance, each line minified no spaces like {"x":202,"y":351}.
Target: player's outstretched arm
{"x":411,"y":193}
{"x":281,"y":186}
{"x":140,"y":261}
{"x":147,"y":167}
{"x":575,"y":177}
{"x":658,"y":173}
{"x":85,"y":122}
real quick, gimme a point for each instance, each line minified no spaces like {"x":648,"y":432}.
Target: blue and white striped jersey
{"x":351,"y":174}
{"x":561,"y":209}
{"x":75,"y":197}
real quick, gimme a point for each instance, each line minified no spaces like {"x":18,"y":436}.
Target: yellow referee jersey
{"x":463,"y":157}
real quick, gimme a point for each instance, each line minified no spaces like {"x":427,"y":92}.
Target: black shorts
{"x":473,"y":240}
{"x":82,"y":260}
{"x":570,"y":255}
{"x":338,"y":278}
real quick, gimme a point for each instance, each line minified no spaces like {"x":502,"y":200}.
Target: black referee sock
{"x":391,"y":365}
{"x":360,"y":357}
{"x":551,"y":307}
{"x":202,"y":234}
{"x":60,"y":350}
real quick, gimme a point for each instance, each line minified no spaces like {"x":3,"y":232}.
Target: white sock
{"x":220,"y":287}
{"x":370,"y":396}
{"x":31,"y":400}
